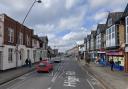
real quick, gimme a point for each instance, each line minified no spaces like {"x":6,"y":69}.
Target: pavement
{"x":10,"y":74}
{"x":110,"y":79}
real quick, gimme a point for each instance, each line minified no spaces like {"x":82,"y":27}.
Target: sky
{"x":65,"y":22}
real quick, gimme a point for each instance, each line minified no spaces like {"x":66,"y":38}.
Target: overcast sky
{"x":65,"y":22}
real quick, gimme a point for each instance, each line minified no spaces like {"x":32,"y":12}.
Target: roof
{"x":115,"y":16}
{"x":125,"y":11}
{"x":36,"y":37}
{"x":88,"y":37}
{"x":44,"y":38}
{"x":93,"y":33}
{"x":101,"y":27}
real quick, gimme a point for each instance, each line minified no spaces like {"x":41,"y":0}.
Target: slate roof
{"x":101,"y":27}
{"x":115,"y":16}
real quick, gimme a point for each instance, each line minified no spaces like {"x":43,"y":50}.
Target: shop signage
{"x":115,"y":53}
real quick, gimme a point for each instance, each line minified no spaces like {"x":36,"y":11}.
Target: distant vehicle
{"x":44,"y":66}
{"x":57,"y":60}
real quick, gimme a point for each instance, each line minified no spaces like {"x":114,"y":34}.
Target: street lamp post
{"x":38,"y":1}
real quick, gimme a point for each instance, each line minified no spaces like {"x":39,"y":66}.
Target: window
{"x":10,"y":35}
{"x":28,"y":53}
{"x":110,"y":22}
{"x":126,"y":20}
{"x":28,"y":40}
{"x":110,"y":36}
{"x":113,"y":31}
{"x":1,"y":56}
{"x":10,"y":55}
{"x":0,"y":31}
{"x":21,"y":38}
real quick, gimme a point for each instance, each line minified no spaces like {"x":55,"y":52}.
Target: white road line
{"x":91,"y":76}
{"x":61,"y":74}
{"x":56,"y":74}
{"x":90,"y":83}
{"x":87,"y":73}
{"x":49,"y":88}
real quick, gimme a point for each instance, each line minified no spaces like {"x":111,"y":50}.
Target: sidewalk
{"x":10,"y":74}
{"x":111,"y":79}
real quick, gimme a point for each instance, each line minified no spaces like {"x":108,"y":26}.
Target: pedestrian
{"x":29,"y":62}
{"x":112,"y":64}
{"x":26,"y":62}
{"x":40,"y":58}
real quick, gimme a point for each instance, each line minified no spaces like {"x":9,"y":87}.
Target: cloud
{"x":53,"y":17}
{"x":107,"y":4}
{"x":97,"y":3}
{"x":100,"y":16}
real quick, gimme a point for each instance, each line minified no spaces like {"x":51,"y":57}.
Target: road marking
{"x":49,"y":88}
{"x":61,"y":74}
{"x":90,"y":83}
{"x":56,"y":74}
{"x":71,"y":79}
{"x":92,"y":76}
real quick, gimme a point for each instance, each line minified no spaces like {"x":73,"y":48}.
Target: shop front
{"x":118,"y":58}
{"x":101,"y":57}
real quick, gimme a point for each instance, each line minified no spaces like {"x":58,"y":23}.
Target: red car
{"x":44,"y":66}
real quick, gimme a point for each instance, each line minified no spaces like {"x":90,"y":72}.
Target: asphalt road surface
{"x":68,"y":74}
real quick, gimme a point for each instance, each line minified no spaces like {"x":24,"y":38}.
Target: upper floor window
{"x":110,"y":22}
{"x":28,"y":40}
{"x":98,"y":31}
{"x":10,"y":35}
{"x":21,"y":38}
{"x":110,"y":36}
{"x":126,"y":20}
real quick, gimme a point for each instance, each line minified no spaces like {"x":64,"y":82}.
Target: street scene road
{"x":68,"y":74}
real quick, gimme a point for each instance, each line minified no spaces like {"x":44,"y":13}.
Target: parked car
{"x":44,"y":66}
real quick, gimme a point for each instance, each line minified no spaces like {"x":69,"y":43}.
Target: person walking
{"x":26,"y":62}
{"x":40,"y":58}
{"x":112,"y":64}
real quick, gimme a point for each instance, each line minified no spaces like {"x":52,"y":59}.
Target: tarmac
{"x":110,"y":79}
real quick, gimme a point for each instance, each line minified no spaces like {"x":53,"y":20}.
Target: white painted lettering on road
{"x":71,"y":79}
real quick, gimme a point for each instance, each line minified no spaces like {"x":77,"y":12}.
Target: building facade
{"x":15,"y":44}
{"x":114,"y":39}
{"x":18,"y":43}
{"x":100,"y":42}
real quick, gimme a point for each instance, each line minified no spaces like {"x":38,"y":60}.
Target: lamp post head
{"x":39,"y":1}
